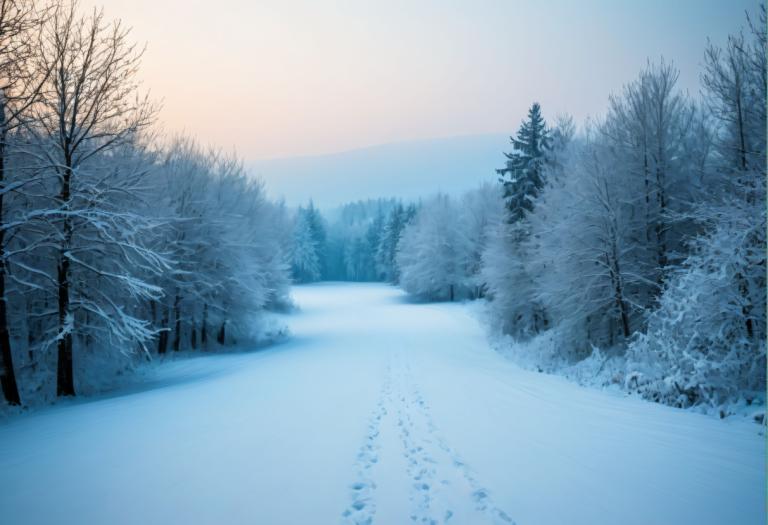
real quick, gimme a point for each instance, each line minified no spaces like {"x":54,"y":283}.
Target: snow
{"x":376,"y":409}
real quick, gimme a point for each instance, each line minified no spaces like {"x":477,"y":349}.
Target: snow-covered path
{"x":376,"y":411}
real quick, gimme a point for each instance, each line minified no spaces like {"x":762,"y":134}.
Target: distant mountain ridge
{"x":407,"y":170}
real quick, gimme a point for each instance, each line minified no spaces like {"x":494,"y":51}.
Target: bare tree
{"x":19,"y":87}
{"x":88,"y":124}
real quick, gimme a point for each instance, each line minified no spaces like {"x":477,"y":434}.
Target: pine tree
{"x":317,"y":231}
{"x":306,"y":260}
{"x":387,"y":250}
{"x":522,"y":176}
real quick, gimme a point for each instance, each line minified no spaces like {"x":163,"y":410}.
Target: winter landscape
{"x":382,"y":263}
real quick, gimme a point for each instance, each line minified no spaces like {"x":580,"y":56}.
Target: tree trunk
{"x":746,"y":310}
{"x":153,"y":312}
{"x":88,"y":339}
{"x":8,"y":379}
{"x":647,"y":182}
{"x":162,"y":340}
{"x":177,"y":331}
{"x":204,"y":328}
{"x":619,"y":292}
{"x":661,"y":227}
{"x":222,"y":337}
{"x":65,"y":383}
{"x":193,"y":336}
{"x":740,"y":125}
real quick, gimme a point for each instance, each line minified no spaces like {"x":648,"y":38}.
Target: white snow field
{"x":376,"y":411}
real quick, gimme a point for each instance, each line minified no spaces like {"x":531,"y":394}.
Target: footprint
{"x":479,"y":495}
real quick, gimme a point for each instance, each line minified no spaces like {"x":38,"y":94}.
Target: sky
{"x":279,"y":78}
{"x":309,"y":79}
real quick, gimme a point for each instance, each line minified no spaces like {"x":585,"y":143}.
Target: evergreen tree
{"x":317,"y":232}
{"x":522,"y":176}
{"x":373,"y":238}
{"x":386,"y":263}
{"x":306,"y":260}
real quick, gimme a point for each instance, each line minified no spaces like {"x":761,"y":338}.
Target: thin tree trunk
{"x":204,"y":328}
{"x":162,"y":341}
{"x":10,"y":388}
{"x":177,"y":331}
{"x":647,"y":181}
{"x":619,"y":292}
{"x":193,"y":335}
{"x":65,"y":383}
{"x":661,"y":228}
{"x":746,"y":310}
{"x":740,"y":123}
{"x":153,"y":312}
{"x":222,"y":337}
{"x":32,"y":326}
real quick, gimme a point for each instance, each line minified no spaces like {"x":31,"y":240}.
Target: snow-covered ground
{"x":376,"y":411}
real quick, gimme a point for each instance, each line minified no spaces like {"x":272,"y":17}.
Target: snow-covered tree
{"x":87,"y":129}
{"x":111,"y":240}
{"x":508,"y":281}
{"x":20,"y":87}
{"x":306,"y":256}
{"x":433,"y":252}
{"x":386,"y":251}
{"x":481,"y":211}
{"x":523,"y":175}
{"x":706,"y":341}
{"x":506,"y":269}
{"x":588,"y":273}
{"x":648,"y":129}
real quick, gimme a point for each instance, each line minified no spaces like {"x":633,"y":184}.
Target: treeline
{"x":635,"y":249}
{"x":114,"y":243}
{"x":355,"y":242}
{"x":645,"y":236}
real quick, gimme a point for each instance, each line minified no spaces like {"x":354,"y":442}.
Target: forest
{"x":116,"y":243}
{"x":629,"y":251}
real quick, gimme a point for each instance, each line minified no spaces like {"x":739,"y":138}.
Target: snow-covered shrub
{"x":439,"y":254}
{"x":706,"y":341}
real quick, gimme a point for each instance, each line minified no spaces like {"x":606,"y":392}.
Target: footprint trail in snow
{"x":440,"y":487}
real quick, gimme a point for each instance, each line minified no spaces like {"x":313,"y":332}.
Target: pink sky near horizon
{"x":276,"y":78}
